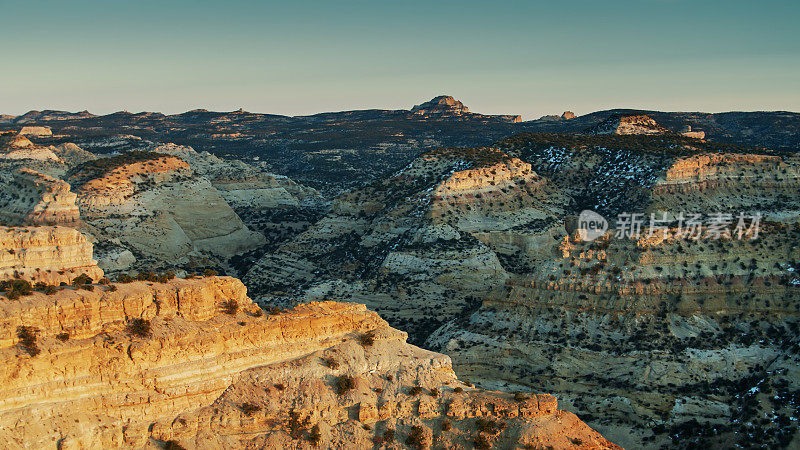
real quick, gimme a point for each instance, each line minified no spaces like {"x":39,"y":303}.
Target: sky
{"x":302,"y":57}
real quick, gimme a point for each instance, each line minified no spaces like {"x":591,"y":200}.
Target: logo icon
{"x":591,"y":225}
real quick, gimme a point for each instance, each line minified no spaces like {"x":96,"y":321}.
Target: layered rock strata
{"x":204,"y":373}
{"x":50,"y":255}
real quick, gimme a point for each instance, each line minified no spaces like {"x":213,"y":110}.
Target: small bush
{"x":367,"y":339}
{"x":209,"y":273}
{"x":125,"y":278}
{"x":416,"y":390}
{"x":330,"y":362}
{"x":15,"y":289}
{"x":229,"y":307}
{"x":416,"y":439}
{"x":27,"y":340}
{"x":520,"y":397}
{"x":388,"y":435}
{"x":139,"y":327}
{"x":489,"y":426}
{"x":295,"y":426}
{"x":50,"y":289}
{"x":458,"y":390}
{"x":82,"y":279}
{"x":314,"y":436}
{"x":279,"y":386}
{"x":104,"y":281}
{"x":63,"y":337}
{"x":434,"y":392}
{"x":112,"y":288}
{"x":86,"y":287}
{"x":249,"y":408}
{"x":481,"y":443}
{"x":173,"y":445}
{"x":345,"y":384}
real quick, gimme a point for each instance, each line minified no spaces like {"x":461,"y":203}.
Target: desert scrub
{"x":344,"y":384}
{"x":330,"y":362}
{"x":416,"y":390}
{"x":367,"y":339}
{"x":416,"y":438}
{"x":139,"y":327}
{"x":82,"y":279}
{"x":314,"y":436}
{"x":229,"y":307}
{"x":15,"y":289}
{"x":173,"y":445}
{"x":27,"y":340}
{"x":481,"y":443}
{"x":249,"y":408}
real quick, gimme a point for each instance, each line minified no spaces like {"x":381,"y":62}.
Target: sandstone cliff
{"x":146,"y":363}
{"x":50,"y":255}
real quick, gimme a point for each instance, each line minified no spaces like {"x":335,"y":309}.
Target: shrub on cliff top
{"x":125,"y":278}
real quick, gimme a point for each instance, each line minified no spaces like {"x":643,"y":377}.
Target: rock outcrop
{"x":38,"y":131}
{"x":445,"y":106}
{"x":628,"y":124}
{"x":50,"y":255}
{"x":156,"y":205}
{"x":30,"y":197}
{"x":195,"y":363}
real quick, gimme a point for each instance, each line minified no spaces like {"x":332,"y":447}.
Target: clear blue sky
{"x":300,"y":57}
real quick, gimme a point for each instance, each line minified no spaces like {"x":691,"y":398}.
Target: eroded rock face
{"x":50,"y":255}
{"x":27,"y":196}
{"x":158,"y":207}
{"x":696,"y":336}
{"x":206,"y":374}
{"x":423,"y":245}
